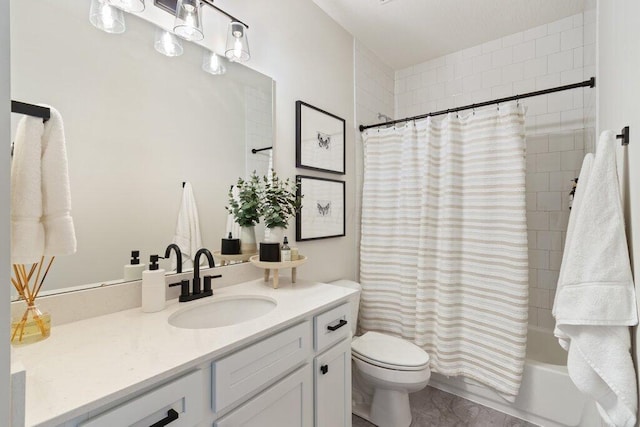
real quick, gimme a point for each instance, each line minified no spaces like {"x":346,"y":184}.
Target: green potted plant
{"x":245,"y":206}
{"x":280,"y":202}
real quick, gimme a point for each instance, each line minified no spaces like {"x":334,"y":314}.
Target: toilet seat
{"x":389,"y":352}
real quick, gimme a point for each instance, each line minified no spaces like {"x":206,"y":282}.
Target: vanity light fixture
{"x":188,"y":23}
{"x":131,"y":6}
{"x":167,"y":43}
{"x":212,"y":63}
{"x":106,"y":17}
{"x":237,"y":43}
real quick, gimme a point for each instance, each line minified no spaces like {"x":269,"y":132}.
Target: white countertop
{"x":87,"y":364}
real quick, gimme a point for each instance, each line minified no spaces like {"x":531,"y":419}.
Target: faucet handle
{"x":184,"y":288}
{"x":207,"y":283}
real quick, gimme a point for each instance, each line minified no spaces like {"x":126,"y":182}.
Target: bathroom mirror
{"x":137,"y":125}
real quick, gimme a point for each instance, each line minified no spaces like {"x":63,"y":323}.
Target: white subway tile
{"x":573,"y":119}
{"x":414,"y":82}
{"x":589,"y":55}
{"x":535,"y":67}
{"x":572,"y":76}
{"x":524,"y":51}
{"x":513,"y":39}
{"x":429,"y":77}
{"x":572,"y":38}
{"x":548,"y":81}
{"x":463,"y":68}
{"x":547,"y":279}
{"x":512,"y":73}
{"x":404,"y":72}
{"x":547,"y":162}
{"x":453,"y":87}
{"x":578,"y":20}
{"x":481,"y":63}
{"x":538,"y":259}
{"x":560,"y":25}
{"x":560,"y":101}
{"x":560,"y":181}
{"x":560,"y":61}
{"x":590,"y":33}
{"x":445,"y":73}
{"x":444,"y":104}
{"x":549,"y":201}
{"x":535,"y":33}
{"x":491,"y":78}
{"x":548,"y":45}
{"x":472,"y":51}
{"x":545,"y":319}
{"x":530,"y":199}
{"x":436,"y":91}
{"x":537,"y":144}
{"x":549,"y":240}
{"x":542,"y":298}
{"x":502,"y":91}
{"x":578,"y":57}
{"x":533,"y":276}
{"x":555,"y":259}
{"x":558,"y":220}
{"x":561,"y":142}
{"x":572,"y":160}
{"x":491,"y":46}
{"x":535,"y":181}
{"x":579,"y":137}
{"x":502,"y":57}
{"x":524,"y":86}
{"x":472,"y":82}
{"x":482,"y":95}
{"x":550,"y":122}
{"x":533,"y":317}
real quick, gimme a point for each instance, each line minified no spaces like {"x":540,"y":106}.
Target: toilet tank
{"x":353,"y":299}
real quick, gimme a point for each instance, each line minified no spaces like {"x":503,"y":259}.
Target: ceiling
{"x":407,"y":32}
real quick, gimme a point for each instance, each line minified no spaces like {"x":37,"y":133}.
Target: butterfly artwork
{"x":324,"y":208}
{"x":324,"y":140}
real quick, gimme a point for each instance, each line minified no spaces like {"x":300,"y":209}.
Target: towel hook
{"x":624,"y":135}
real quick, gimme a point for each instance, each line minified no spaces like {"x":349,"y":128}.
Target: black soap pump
{"x":133,"y":271}
{"x":230,"y":246}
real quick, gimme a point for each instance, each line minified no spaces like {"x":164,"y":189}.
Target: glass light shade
{"x":237,"y":43}
{"x":188,"y":23}
{"x":212,"y":63}
{"x":106,"y":17}
{"x":167,"y":44}
{"x":135,"y":6}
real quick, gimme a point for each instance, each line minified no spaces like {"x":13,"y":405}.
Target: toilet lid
{"x":388,"y":351}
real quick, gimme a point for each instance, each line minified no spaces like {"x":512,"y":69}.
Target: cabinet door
{"x":288,"y":403}
{"x":333,"y":386}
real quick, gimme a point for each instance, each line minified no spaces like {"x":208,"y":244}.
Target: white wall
{"x":554,"y":54}
{"x":5,"y":129}
{"x":310,"y":57}
{"x":619,"y":103}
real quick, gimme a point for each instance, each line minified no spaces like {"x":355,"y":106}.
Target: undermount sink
{"x":223,"y":311}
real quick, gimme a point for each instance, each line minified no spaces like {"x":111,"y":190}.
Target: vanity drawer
{"x":248,"y":370}
{"x":332,"y":326}
{"x":181,"y":398}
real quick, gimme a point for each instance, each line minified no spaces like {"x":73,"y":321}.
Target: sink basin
{"x":223,"y":311}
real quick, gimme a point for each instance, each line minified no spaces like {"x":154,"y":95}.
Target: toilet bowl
{"x":385,"y":370}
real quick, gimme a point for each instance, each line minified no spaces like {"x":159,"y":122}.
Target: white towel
{"x":41,"y":222}
{"x":595,"y":300}
{"x":187,"y":235}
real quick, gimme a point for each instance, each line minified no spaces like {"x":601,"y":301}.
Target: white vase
{"x":274,"y":235}
{"x":248,"y":240}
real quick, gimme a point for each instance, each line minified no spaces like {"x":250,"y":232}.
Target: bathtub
{"x":547,"y":396}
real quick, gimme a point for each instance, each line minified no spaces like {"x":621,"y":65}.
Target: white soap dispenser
{"x":154,"y":287}
{"x":134,"y":270}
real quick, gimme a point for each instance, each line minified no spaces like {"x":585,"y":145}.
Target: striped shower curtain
{"x":444,"y":242}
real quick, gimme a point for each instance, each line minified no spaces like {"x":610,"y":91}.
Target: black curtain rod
{"x":31,"y":110}
{"x":257,"y":150}
{"x":590,"y":83}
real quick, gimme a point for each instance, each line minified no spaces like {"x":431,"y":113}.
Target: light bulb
{"x":237,"y":48}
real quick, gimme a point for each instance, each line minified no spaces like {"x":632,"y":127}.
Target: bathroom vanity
{"x":288,"y":367}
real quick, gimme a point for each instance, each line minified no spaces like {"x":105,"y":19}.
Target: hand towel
{"x":595,"y":300}
{"x":41,"y":222}
{"x":187,"y":235}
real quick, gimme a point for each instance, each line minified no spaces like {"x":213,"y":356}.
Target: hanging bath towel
{"x":444,"y":258}
{"x":41,"y":222}
{"x":595,"y":301}
{"x":187,"y":235}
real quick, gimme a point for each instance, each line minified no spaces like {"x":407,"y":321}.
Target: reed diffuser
{"x":34,"y":325}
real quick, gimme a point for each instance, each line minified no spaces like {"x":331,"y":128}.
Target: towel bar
{"x":624,"y":135}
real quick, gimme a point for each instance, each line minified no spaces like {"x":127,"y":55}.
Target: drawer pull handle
{"x":324,"y":369}
{"x":172,"y":415}
{"x":338,"y":326}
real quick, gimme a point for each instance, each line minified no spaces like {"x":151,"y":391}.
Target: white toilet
{"x":385,"y":370}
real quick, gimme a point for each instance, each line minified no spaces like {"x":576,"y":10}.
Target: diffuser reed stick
{"x":28,"y":290}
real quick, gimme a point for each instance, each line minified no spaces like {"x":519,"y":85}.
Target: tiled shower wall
{"x":560,"y":127}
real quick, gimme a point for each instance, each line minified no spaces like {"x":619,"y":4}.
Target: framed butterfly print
{"x":323,"y":208}
{"x":320,"y":139}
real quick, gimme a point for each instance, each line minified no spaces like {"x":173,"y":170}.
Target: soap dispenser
{"x":134,"y":270}
{"x":153,"y":287}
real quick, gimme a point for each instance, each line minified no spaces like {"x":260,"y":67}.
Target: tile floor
{"x":434,"y":408}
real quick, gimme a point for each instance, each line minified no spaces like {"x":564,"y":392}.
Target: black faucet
{"x":176,"y":249}
{"x":197,"y":292}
